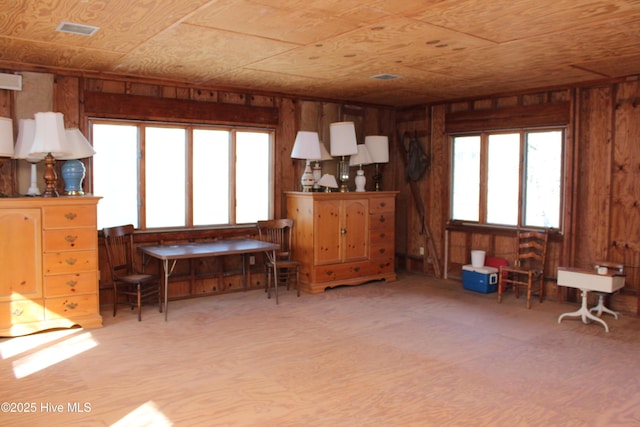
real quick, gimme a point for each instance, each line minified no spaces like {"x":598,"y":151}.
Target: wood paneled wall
{"x":602,"y":183}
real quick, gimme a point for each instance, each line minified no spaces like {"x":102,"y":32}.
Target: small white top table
{"x":586,"y":281}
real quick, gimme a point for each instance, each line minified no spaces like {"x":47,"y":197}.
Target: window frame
{"x":522,"y":177}
{"x":189,"y":128}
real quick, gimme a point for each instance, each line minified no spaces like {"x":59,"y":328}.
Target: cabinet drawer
{"x":382,"y":251}
{"x":382,"y":220}
{"x":70,"y":262}
{"x":327,"y":273}
{"x":69,"y":216}
{"x":73,"y":306}
{"x":70,"y":284}
{"x":379,"y":266}
{"x":382,"y":235}
{"x":21,"y":311}
{"x":382,"y":204}
{"x":71,"y":239}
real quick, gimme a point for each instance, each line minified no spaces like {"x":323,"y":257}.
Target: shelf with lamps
{"x":359,"y":159}
{"x":73,"y":170}
{"x":6,"y":141}
{"x":378,"y":146}
{"x":343,"y":143}
{"x":49,"y":142}
{"x":328,"y":181}
{"x":306,"y":147}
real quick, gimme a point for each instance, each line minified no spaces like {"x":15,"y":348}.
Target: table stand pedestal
{"x":585,"y":313}
{"x":600,"y":308}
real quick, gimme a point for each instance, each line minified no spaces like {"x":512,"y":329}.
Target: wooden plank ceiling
{"x":441,"y":49}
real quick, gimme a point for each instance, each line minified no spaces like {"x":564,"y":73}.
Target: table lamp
{"x":49,"y":141}
{"x":306,"y":147}
{"x":6,"y":139}
{"x":362,"y":157}
{"x":73,"y":170}
{"x":378,"y":146}
{"x":316,"y":168}
{"x":328,"y":181}
{"x":26,"y":133}
{"x":343,"y":143}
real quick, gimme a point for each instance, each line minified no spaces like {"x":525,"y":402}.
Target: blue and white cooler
{"x":480,"y":279}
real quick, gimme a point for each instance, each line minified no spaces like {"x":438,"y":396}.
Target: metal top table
{"x":174,"y":252}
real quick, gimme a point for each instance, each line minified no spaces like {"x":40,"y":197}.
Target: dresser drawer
{"x":21,"y":311}
{"x":382,"y":220}
{"x":382,"y":235}
{"x":70,"y":240}
{"x":382,"y":251}
{"x":327,"y":273}
{"x":70,"y":262}
{"x":72,"y":306}
{"x":70,"y":284}
{"x":382,"y":204}
{"x":69,"y":217}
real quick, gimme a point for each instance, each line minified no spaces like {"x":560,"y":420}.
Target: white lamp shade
{"x":324,"y":153}
{"x":49,"y":136}
{"x":378,"y":146}
{"x":328,"y":180}
{"x":26,"y":133}
{"x":76,"y":146}
{"x":362,"y":157}
{"x":6,"y":137}
{"x":343,"y":138}
{"x":306,"y":146}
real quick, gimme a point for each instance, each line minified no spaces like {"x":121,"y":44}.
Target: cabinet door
{"x":20,"y":245}
{"x":326,"y":231}
{"x":355,"y":230}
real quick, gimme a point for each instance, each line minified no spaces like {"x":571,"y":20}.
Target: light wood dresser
{"x":343,"y":238}
{"x":49,"y":264}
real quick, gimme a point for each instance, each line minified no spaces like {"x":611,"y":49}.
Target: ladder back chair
{"x":127,"y":280}
{"x":280,"y":231}
{"x":528,"y":269}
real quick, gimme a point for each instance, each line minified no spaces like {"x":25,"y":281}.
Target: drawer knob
{"x":383,"y":204}
{"x":382,"y":250}
{"x":72,"y":283}
{"x":17,"y":312}
{"x":70,"y":216}
{"x":71,"y":305}
{"x":382,"y":218}
{"x":70,"y":239}
{"x":71,"y":261}
{"x":343,"y":231}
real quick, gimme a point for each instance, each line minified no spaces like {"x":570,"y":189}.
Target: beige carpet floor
{"x":416,"y":352}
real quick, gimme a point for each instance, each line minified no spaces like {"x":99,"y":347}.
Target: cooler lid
{"x":481,"y":270}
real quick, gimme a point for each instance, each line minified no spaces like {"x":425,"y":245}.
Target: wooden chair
{"x":280,"y":231}
{"x":127,"y":280}
{"x":528,"y":269}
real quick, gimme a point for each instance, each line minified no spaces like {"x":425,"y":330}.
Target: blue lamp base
{"x":73,"y":172}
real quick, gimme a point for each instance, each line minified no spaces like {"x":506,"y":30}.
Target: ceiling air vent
{"x":385,"y":77}
{"x":81,"y":29}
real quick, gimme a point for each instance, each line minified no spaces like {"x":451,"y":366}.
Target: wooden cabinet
{"x":343,"y":238}
{"x":49,"y":260}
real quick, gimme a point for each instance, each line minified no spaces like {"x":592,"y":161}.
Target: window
{"x":166,"y":175}
{"x":508,"y":178}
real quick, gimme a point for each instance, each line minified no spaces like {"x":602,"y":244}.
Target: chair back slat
{"x":532,"y":249}
{"x":119,"y":247}
{"x":278,"y":231}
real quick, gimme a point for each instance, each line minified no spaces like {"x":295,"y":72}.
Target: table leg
{"x":275,"y":273}
{"x":584,"y":312}
{"x":165,"y":269}
{"x":600,"y":308}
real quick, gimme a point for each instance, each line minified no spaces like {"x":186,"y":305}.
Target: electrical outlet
{"x":252,"y":260}
{"x":421,"y":250}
